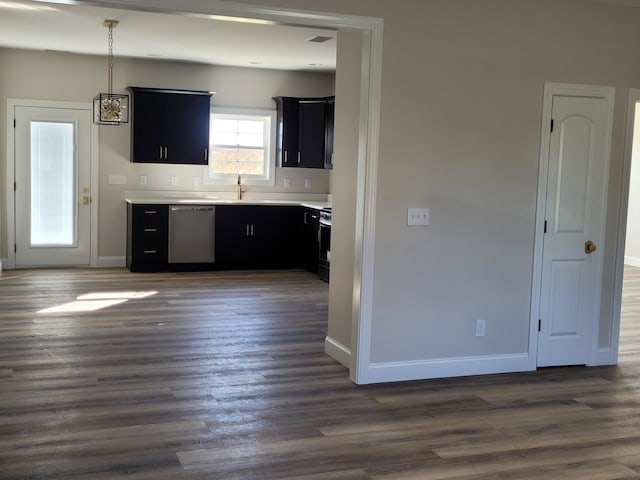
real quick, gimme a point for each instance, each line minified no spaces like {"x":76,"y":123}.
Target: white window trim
{"x":269,"y":179}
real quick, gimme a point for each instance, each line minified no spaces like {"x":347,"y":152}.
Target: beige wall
{"x":460,"y":130}
{"x":462,"y":86}
{"x":55,"y":76}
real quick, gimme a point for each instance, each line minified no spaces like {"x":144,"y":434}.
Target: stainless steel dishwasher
{"x":191,"y":234}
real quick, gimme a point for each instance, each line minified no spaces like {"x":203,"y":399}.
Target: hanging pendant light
{"x":110,"y":108}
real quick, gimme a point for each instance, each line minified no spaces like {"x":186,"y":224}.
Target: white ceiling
{"x":79,"y":29}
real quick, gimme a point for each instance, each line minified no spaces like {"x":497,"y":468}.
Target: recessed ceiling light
{"x":319,"y":39}
{"x":23,"y":6}
{"x":226,"y":18}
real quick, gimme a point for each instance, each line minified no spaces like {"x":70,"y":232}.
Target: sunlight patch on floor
{"x":91,"y":302}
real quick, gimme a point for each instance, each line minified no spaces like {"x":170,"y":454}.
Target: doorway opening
{"x":629,"y":334}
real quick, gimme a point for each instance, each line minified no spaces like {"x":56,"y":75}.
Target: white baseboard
{"x":633,"y":261}
{"x":111,"y":262}
{"x":447,"y":367}
{"x":337,"y":351}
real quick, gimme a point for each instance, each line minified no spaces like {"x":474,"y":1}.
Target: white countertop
{"x":155,"y":199}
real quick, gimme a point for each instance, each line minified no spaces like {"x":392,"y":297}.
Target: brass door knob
{"x":85,"y":199}
{"x":589,"y":247}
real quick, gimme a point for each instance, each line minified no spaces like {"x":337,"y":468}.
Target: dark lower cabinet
{"x":246,"y":237}
{"x":147,"y":237}
{"x":253,"y":236}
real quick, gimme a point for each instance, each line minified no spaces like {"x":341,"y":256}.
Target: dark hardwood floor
{"x":223,"y":376}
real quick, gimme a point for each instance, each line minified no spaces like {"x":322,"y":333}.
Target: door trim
{"x":551,"y":89}
{"x":610,"y":356}
{"x":12,"y":103}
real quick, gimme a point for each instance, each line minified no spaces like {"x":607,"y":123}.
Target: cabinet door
{"x":278,"y":233}
{"x":311,"y":134}
{"x":234,"y":248}
{"x":328,"y":138}
{"x":186,"y":128}
{"x":146,"y":128}
{"x":287,"y":135}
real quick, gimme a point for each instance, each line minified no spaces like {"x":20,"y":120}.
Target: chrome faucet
{"x":240,"y":190}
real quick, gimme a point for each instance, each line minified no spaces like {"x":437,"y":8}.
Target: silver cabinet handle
{"x":165,"y":153}
{"x":150,"y":212}
{"x":150,"y":251}
{"x":298,"y":158}
{"x":306,"y":214}
{"x":160,"y":151}
{"x":286,"y":157}
{"x":206,"y":154}
{"x":150,"y":229}
{"x":252,"y":229}
{"x":247,"y":229}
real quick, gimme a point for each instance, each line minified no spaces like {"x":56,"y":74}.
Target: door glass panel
{"x":52,"y":184}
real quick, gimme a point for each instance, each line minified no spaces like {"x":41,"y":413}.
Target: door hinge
{"x":14,"y":123}
{"x":15,"y":248}
{"x":545,"y":226}
{"x":539,"y":325}
{"x":551,"y":130}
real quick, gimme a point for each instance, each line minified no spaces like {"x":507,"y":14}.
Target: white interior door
{"x":574,"y":219}
{"x":52,"y":186}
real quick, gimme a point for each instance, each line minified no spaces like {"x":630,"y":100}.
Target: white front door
{"x":574,"y":233}
{"x":52,"y":186}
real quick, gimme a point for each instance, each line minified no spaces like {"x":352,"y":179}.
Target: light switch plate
{"x":307,"y":183}
{"x":143,"y":179}
{"x":173,"y":180}
{"x":417,"y":216}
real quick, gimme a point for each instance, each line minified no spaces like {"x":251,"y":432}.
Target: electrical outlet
{"x":173,"y":180}
{"x":287,"y":183}
{"x":417,"y":216}
{"x":143,"y":179}
{"x":481,"y":326}
{"x":307,"y":183}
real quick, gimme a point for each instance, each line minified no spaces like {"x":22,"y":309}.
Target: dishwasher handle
{"x":191,"y":208}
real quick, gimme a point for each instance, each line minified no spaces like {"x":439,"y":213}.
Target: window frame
{"x":269,"y":177}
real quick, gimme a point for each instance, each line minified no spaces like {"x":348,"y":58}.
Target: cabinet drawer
{"x":149,"y":233}
{"x":150,"y":252}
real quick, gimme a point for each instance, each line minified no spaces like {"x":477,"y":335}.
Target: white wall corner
{"x":448,"y":367}
{"x":111,"y":262}
{"x":337,"y":351}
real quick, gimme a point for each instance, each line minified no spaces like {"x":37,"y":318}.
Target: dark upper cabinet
{"x":330,"y":114}
{"x":169,"y":126}
{"x":302,"y":137}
